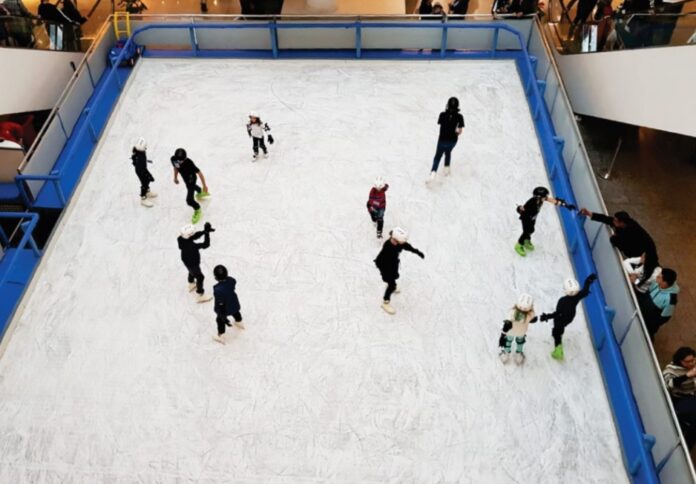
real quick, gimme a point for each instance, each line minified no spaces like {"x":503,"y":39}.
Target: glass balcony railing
{"x":33,"y":33}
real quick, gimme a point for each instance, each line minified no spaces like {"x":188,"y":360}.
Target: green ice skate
{"x":528,"y":245}
{"x":520,"y":250}
{"x":202,"y":194}
{"x":557,"y":353}
{"x":196,"y":216}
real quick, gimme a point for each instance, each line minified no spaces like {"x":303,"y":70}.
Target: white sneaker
{"x":191,"y":286}
{"x":239,"y":324}
{"x":265,"y":155}
{"x":253,"y":158}
{"x":146,"y":203}
{"x":519,"y":358}
{"x":388,"y":307}
{"x":447,"y":171}
{"x":203,"y":298}
{"x":397,"y":290}
{"x":151,"y":194}
{"x":504,"y":357}
{"x":431,"y":178}
{"x":220,"y":339}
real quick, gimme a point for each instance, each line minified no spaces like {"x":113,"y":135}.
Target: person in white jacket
{"x":635,"y":268}
{"x":256,"y":130}
{"x":515,"y":328}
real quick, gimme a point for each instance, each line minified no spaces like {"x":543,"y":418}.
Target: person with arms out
{"x":256,"y":130}
{"x":191,"y":257}
{"x":189,"y":171}
{"x":451,"y":126}
{"x":629,"y":237}
{"x":226,"y":302}
{"x":528,"y":214}
{"x":387,"y":262}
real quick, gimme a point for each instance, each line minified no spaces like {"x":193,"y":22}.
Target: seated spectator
{"x":629,"y":237}
{"x":642,"y":271}
{"x":680,"y":380}
{"x":658,"y":303}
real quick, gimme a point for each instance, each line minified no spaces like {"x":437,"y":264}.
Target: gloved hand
{"x":534,"y":319}
{"x":421,"y":254}
{"x":592,"y":277}
{"x":520,"y":209}
{"x":544,"y":317}
{"x":208,"y":228}
{"x":270,"y":139}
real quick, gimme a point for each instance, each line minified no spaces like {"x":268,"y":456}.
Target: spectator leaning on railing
{"x":658,"y":303}
{"x":642,"y":271}
{"x":680,"y":380}
{"x":629,"y":237}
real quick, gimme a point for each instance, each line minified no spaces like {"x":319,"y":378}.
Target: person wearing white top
{"x":635,"y":268}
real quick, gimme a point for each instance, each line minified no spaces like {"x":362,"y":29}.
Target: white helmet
{"x":571,"y":287}
{"x":525,"y":303}
{"x":253,"y":114}
{"x":399,"y":234}
{"x":379,"y":183}
{"x":141,"y":144}
{"x":187,"y":231}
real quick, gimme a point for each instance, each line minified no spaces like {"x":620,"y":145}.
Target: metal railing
{"x":35,"y":33}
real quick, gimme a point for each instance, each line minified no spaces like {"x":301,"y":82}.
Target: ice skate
{"x":528,"y":245}
{"x":504,"y":357}
{"x":191,"y":286}
{"x":265,"y":155}
{"x":431,"y":178}
{"x":196,"y":216}
{"x":146,"y":203}
{"x":520,"y":250}
{"x":151,"y":194}
{"x":220,"y":339}
{"x":557,"y":353}
{"x":203,"y":298}
{"x":202,"y":194}
{"x":254,"y":157}
{"x":239,"y":324}
{"x":447,"y":171}
{"x":397,"y":290}
{"x":388,"y":307}
{"x":379,"y":234}
{"x":519,"y":358}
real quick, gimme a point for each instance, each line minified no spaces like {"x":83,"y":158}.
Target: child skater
{"x":191,"y":257}
{"x":515,"y":328}
{"x":256,"y":129}
{"x":377,"y":203}
{"x":565,"y":311}
{"x":528,"y":214}
{"x":387,"y":262}
{"x":189,"y":171}
{"x":140,"y":162}
{"x":226,"y":302}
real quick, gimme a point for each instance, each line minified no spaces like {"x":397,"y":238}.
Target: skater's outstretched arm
{"x":410,"y":248}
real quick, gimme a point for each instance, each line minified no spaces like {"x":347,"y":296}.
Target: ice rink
{"x":111,"y":373}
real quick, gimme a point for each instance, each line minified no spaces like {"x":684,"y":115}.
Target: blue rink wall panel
{"x":79,"y":148}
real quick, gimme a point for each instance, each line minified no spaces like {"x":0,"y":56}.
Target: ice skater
{"x":387,"y":262}
{"x":565,"y":311}
{"x":189,"y":171}
{"x":451,"y":126}
{"x":528,"y":214}
{"x":377,"y":203}
{"x":515,"y":329}
{"x":226,"y":302}
{"x":256,"y":130}
{"x":140,"y":162}
{"x":191,"y":257}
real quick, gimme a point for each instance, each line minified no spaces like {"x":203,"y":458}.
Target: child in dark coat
{"x":377,"y":203}
{"x":140,"y":161}
{"x":226,"y":302}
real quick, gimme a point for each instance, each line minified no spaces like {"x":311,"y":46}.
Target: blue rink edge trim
{"x":637,"y":457}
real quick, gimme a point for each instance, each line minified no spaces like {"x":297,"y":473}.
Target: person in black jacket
{"x":451,"y":125}
{"x":226,"y":302}
{"x":140,"y":161}
{"x":191,"y":256}
{"x":629,"y":237}
{"x":565,"y":311}
{"x":189,"y":171}
{"x":528,"y":214}
{"x":387,"y":262}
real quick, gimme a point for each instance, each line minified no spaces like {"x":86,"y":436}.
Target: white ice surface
{"x":111,"y":374}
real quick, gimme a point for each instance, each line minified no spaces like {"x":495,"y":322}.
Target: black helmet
{"x":541,"y":192}
{"x":220,"y":273}
{"x":453,"y":104}
{"x":180,"y":154}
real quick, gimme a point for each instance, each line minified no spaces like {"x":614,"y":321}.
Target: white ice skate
{"x":239,"y":324}
{"x":504,"y":357}
{"x":447,"y":171}
{"x":397,"y":290}
{"x":519,"y":358}
{"x":151,"y":194}
{"x":191,"y":286}
{"x":254,"y":157}
{"x":265,"y":155}
{"x":431,"y":178}
{"x":388,"y":307}
{"x":146,"y":203}
{"x":203,"y":298}
{"x":220,"y":339}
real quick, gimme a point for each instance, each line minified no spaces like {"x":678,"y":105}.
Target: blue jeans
{"x":443,"y":147}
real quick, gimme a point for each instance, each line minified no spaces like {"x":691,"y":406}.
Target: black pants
{"x":145,"y":179}
{"x":685,"y":408}
{"x":527,"y":230}
{"x":222,"y":321}
{"x":651,"y":314}
{"x":191,"y":190}
{"x":557,"y":333}
{"x":259,"y":142}
{"x":391,"y":287}
{"x":195,"y":274}
{"x":378,"y":216}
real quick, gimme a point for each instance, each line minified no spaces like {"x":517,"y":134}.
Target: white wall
{"x":645,"y":87}
{"x":32,"y":80}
